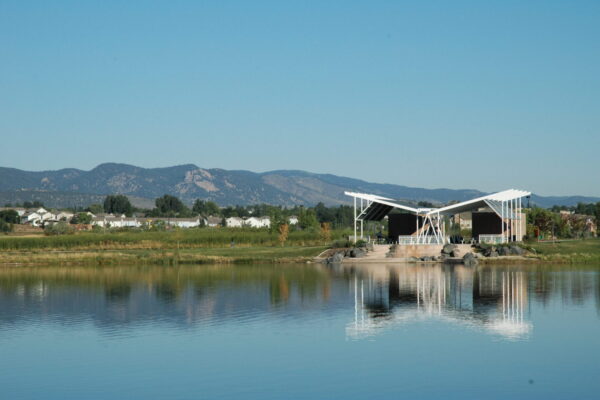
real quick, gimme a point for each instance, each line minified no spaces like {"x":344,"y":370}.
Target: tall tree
{"x":206,"y":208}
{"x":10,"y":216}
{"x":117,"y":204}
{"x":170,"y":206}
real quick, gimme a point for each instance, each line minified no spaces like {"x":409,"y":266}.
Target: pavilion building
{"x":495,"y":218}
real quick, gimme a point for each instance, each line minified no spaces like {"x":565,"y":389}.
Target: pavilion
{"x":496,"y":218}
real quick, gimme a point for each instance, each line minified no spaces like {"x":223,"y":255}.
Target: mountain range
{"x":75,"y":187}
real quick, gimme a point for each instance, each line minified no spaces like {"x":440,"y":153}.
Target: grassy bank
{"x":185,"y":246}
{"x":183,"y":238}
{"x":567,"y":251}
{"x":236,"y":255}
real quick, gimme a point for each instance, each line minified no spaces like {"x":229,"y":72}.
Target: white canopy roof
{"x":492,"y":201}
{"x":380,"y":200}
{"x":484,"y":201}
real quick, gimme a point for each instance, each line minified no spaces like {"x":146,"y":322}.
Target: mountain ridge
{"x":226,"y":187}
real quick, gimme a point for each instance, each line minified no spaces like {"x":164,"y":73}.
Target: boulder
{"x":504,"y":251}
{"x":336,"y":258}
{"x":357,"y":253}
{"x":492,"y":254}
{"x":449,"y":248}
{"x":470,"y":259}
{"x":455,"y":253}
{"x":516,"y":250}
{"x":427,"y":258}
{"x":487,"y":250}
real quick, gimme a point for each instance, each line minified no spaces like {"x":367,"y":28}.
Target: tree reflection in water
{"x":496,"y":300}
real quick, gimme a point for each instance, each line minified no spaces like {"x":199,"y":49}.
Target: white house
{"x":183,"y":222}
{"x":63,"y":215}
{"x":234,"y":222}
{"x":32,"y":218}
{"x":111,"y":221}
{"x":258,"y":222}
{"x":38,"y":217}
{"x":213,"y":221}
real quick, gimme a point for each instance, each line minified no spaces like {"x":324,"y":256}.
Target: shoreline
{"x":96,"y":257}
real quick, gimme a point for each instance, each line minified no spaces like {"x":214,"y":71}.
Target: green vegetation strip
{"x":226,"y":255}
{"x":576,"y":251}
{"x":183,"y":238}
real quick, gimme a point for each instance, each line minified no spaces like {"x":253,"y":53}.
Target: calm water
{"x":291,"y":332}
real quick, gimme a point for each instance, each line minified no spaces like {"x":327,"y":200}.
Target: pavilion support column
{"x":503,"y":217}
{"x":355,"y":220}
{"x":417,"y":231}
{"x":514,"y":224}
{"x":510,"y":221}
{"x":520,"y":220}
{"x":520,"y":229}
{"x":361,"y":221}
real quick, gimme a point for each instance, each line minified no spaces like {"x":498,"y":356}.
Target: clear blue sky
{"x":458,"y":94}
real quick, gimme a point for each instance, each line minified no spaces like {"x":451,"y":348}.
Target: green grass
{"x":183,"y":238}
{"x":225,"y":255}
{"x":584,"y":250}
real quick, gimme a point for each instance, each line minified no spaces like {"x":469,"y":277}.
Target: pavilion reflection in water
{"x":494,"y":300}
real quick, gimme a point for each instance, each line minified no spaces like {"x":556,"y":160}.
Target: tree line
{"x":169,"y":206}
{"x":551,"y":223}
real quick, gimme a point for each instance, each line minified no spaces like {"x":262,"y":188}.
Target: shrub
{"x":59,"y":228}
{"x":5,"y":226}
{"x":341,"y":244}
{"x":360,"y":243}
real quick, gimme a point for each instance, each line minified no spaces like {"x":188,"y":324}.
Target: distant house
{"x":183,"y":222}
{"x":234,"y":222}
{"x":213,"y":222}
{"x":37,"y":217}
{"x":293,"y":220}
{"x":63,"y":215}
{"x":111,"y":221}
{"x":31,"y":218}
{"x":258,"y":222}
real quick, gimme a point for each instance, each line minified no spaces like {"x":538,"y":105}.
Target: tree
{"x":307,"y":219}
{"x":206,"y":208}
{"x":5,"y":226}
{"x":9,"y":216}
{"x":170,"y":206}
{"x":117,"y":204}
{"x":81,"y":218}
{"x":283,"y":233}
{"x":95,"y":208}
{"x":544,"y":220}
{"x":326,"y":231}
{"x":277,"y":219}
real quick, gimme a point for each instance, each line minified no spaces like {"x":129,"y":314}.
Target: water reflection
{"x":494,"y":300}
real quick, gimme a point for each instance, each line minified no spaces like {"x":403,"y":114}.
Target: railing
{"x":409,"y":239}
{"x":492,"y":239}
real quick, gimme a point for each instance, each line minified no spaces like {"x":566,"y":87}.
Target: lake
{"x":300,"y":332}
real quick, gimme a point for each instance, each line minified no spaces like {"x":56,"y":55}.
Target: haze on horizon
{"x":458,"y":94}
